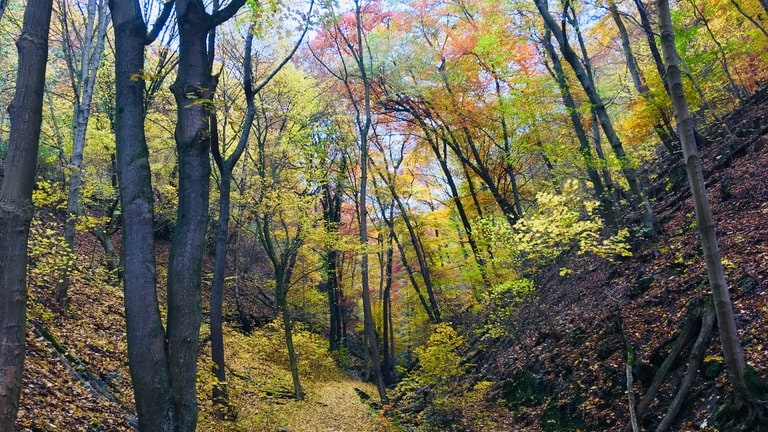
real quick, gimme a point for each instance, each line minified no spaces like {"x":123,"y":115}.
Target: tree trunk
{"x":93,"y":37}
{"x":442,"y":158}
{"x":735,"y":90}
{"x":634,"y":70}
{"x":589,"y":88}
{"x":220,"y":394}
{"x":364,"y":126}
{"x":749,"y":17}
{"x":584,"y":148}
{"x":193,"y":89}
{"x":417,"y":247}
{"x":638,"y":79}
{"x":407,"y":265}
{"x":510,"y":170}
{"x":16,"y":209}
{"x":282,"y":291}
{"x":147,"y":355}
{"x":478,"y":166}
{"x":331,"y":202}
{"x":729,"y":338}
{"x":388,"y":364}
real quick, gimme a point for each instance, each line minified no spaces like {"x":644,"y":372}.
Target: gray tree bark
{"x":193,"y":90}
{"x":605,"y":121}
{"x":16,"y":208}
{"x":83,"y":77}
{"x":726,"y":322}
{"x":147,"y":356}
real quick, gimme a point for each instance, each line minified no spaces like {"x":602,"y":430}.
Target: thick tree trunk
{"x":193,"y":89}
{"x":16,"y":208}
{"x":729,"y":338}
{"x":147,"y":355}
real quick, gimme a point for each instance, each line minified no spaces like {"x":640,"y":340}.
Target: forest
{"x":383,"y":215}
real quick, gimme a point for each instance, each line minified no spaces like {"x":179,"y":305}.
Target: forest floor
{"x":76,"y":374}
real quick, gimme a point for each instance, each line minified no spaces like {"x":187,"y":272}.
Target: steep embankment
{"x":76,"y":376}
{"x":562,"y":363}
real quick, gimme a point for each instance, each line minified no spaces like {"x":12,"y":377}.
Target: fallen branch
{"x":76,"y":366}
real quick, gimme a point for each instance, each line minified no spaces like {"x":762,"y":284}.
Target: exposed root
{"x":694,"y":363}
{"x":685,"y":336}
{"x":747,"y":414}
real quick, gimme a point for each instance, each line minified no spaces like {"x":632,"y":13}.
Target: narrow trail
{"x":329,"y":408}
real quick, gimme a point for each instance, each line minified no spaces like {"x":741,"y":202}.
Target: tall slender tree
{"x":588,"y":84}
{"x":225,"y":166}
{"x":354,"y":54}
{"x":83,"y":62}
{"x":147,"y":356}
{"x":726,"y":321}
{"x":16,"y":209}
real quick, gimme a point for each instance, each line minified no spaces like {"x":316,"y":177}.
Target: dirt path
{"x":333,"y":407}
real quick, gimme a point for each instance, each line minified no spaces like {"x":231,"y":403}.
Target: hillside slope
{"x":76,"y":375}
{"x":561,"y":364}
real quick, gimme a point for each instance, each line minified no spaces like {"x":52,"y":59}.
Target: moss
{"x":525,"y":389}
{"x":563,"y":417}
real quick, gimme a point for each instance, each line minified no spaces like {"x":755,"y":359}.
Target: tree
{"x":387,"y":175}
{"x":16,"y":201}
{"x":587,"y":83}
{"x":575,"y":116}
{"x":349,"y":40}
{"x":147,"y":356}
{"x":82,"y":74}
{"x":726,"y":322}
{"x":193,"y":90}
{"x":225,"y":166}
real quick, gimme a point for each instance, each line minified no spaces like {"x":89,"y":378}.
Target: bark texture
{"x":147,"y":356}
{"x":726,"y":322}
{"x":16,"y":208}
